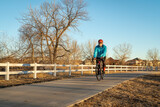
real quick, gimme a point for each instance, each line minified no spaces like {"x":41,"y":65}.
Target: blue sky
{"x":136,"y":22}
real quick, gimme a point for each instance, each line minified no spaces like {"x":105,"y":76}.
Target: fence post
{"x":35,"y":71}
{"x":70,"y":70}
{"x":92,"y":70}
{"x":121,"y":68}
{"x":114,"y":68}
{"x":55,"y":70}
{"x":81,"y":69}
{"x":7,"y":71}
{"x":126,"y":68}
{"x":108,"y":69}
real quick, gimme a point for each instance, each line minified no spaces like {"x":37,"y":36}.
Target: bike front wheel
{"x":98,"y":75}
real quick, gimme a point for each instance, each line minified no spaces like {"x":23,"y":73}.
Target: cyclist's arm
{"x":95,"y":53}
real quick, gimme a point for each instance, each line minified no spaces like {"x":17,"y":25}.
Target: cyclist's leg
{"x":97,"y":65}
{"x":104,"y":64}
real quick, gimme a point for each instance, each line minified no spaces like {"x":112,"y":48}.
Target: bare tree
{"x":153,"y":55}
{"x":64,"y":49}
{"x":6,"y":46}
{"x":10,"y":48}
{"x":27,"y":35}
{"x":2,"y":53}
{"x":75,"y":51}
{"x":122,"y":52}
{"x":53,"y":20}
{"x":88,"y":50}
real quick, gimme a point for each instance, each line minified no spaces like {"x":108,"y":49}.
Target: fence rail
{"x":82,"y":69}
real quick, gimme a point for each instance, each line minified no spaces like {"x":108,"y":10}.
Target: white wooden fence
{"x":83,"y":68}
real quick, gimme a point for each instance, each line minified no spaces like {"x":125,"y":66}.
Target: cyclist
{"x":100,"y":53}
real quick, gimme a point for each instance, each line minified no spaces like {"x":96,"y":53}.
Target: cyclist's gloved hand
{"x":93,"y":59}
{"x":101,"y":57}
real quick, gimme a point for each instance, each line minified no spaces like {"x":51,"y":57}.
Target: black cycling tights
{"x":103,"y":61}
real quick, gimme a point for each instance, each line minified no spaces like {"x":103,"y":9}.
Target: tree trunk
{"x":50,"y":51}
{"x":42,"y":53}
{"x":33,"y":60}
{"x":55,"y":51}
{"x":32,"y":53}
{"x":51,"y":55}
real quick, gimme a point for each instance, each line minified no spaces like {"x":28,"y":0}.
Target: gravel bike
{"x":99,"y":69}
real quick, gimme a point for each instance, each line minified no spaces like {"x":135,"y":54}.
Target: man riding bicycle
{"x":100,"y":53}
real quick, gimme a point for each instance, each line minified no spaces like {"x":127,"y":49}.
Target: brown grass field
{"x":143,"y":91}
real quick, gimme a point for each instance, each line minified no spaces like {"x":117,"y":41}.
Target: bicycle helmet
{"x":100,"y":41}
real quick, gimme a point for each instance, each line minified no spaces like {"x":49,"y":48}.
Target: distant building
{"x":111,"y":61}
{"x":136,"y":61}
{"x":140,"y":62}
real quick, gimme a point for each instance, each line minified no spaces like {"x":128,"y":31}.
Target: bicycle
{"x":99,"y":69}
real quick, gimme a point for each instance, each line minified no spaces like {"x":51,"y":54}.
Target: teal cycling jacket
{"x":100,"y":51}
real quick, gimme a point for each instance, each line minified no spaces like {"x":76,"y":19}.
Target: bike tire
{"x":101,"y":70}
{"x":98,"y":74}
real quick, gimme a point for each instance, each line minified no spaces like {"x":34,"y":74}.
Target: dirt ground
{"x":142,"y":91}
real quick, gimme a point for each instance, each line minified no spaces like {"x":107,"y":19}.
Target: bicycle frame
{"x":100,"y":69}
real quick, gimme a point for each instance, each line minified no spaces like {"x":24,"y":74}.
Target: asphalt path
{"x":60,"y":93}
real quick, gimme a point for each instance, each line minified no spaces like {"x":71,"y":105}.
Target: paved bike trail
{"x":60,"y":93}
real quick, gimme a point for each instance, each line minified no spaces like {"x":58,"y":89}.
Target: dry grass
{"x":143,"y":91}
